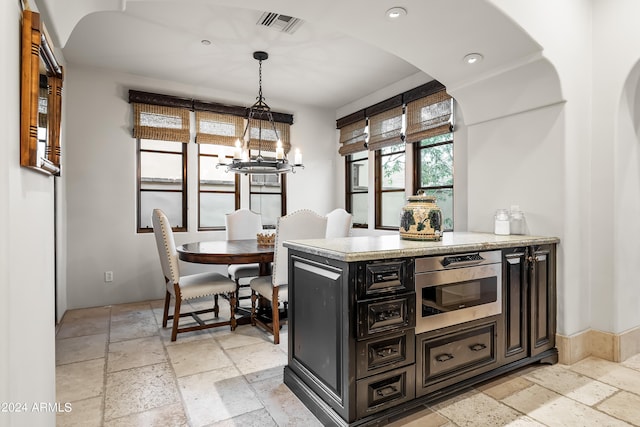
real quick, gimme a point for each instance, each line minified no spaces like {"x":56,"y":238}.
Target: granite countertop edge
{"x":364,"y":248}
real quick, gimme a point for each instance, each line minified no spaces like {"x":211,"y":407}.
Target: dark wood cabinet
{"x":355,"y":358}
{"x":515,"y":304}
{"x":542,"y":294}
{"x":529,"y":301}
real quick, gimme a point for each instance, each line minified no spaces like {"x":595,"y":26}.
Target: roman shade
{"x":262,"y":129}
{"x":160,"y":122}
{"x":353,"y":138}
{"x":429,"y":116}
{"x":385,"y":129}
{"x":217,"y":128}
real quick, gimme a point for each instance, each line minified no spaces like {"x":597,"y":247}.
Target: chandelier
{"x":243,"y":162}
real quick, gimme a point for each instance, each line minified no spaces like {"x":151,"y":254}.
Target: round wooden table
{"x":228,"y":252}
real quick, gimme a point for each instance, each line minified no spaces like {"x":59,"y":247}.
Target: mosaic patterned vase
{"x":421,"y":218}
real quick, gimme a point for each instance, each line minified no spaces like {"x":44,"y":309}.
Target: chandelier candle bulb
{"x":297,"y":159}
{"x":237,"y":152}
{"x":279,"y":151}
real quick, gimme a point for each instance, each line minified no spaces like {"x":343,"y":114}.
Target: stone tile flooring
{"x":118,"y":367}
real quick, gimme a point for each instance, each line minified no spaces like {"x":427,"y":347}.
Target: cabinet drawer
{"x":381,"y":354}
{"x":385,"y":277}
{"x":377,"y":393}
{"x":384,"y":315}
{"x":458,"y":353}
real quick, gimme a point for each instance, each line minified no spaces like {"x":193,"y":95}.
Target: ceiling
{"x":163,"y":39}
{"x":342,"y":52}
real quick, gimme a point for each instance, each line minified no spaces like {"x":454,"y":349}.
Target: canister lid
{"x":421,"y":197}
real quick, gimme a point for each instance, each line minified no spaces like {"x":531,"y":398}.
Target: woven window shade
{"x":219,"y":129}
{"x":385,"y":129}
{"x":268,"y":137}
{"x":429,"y":116}
{"x":160,"y":122}
{"x":353,"y":138}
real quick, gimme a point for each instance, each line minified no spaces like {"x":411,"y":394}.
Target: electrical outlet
{"x":108,"y":276}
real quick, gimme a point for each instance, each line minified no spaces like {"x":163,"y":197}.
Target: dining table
{"x":231,"y":252}
{"x":228,"y":252}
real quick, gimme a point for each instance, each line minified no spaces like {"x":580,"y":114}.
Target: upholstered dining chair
{"x":185,"y":288}
{"x":240,"y":225}
{"x":302,"y":224}
{"x":338,"y":223}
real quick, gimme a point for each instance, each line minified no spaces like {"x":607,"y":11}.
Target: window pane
{"x":213,"y":207}
{"x":444,"y":200}
{"x":211,"y":175}
{"x":437,"y":139}
{"x":392,"y":204}
{"x":393,"y":171}
{"x":392,"y":149}
{"x":268,"y":205}
{"x":265,"y":183}
{"x":211,"y":149}
{"x":436,"y":165}
{"x":161,"y":168}
{"x":360,"y":155}
{"x":152,"y":144}
{"x":170,"y":203}
{"x":359,"y":176}
{"x":360,"y":208}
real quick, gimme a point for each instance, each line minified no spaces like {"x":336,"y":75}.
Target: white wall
{"x":27,"y":324}
{"x":101,"y":186}
{"x":616,"y":166}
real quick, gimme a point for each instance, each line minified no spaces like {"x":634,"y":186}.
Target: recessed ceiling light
{"x":396,"y":13}
{"x":473,"y":58}
{"x":205,"y":42}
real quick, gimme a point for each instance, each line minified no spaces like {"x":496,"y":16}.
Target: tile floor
{"x":118,"y":367}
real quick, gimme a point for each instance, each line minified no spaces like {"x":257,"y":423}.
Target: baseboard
{"x":605,"y":345}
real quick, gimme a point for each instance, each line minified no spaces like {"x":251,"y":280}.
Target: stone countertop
{"x":365,"y":248}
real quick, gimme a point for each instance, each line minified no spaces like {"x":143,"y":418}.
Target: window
{"x":422,"y":119}
{"x":268,"y":197}
{"x":218,"y":190}
{"x":390,"y":185}
{"x":434,"y":173}
{"x":162,"y":173}
{"x":357,"y":194}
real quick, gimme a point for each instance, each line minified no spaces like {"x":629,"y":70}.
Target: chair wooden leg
{"x":233,"y":301}
{"x":165,"y":315}
{"x":275,"y":314}
{"x":176,"y":319}
{"x":254,"y":297}
{"x":216,"y":309}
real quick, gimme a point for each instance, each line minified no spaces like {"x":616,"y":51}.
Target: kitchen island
{"x":380,"y":325}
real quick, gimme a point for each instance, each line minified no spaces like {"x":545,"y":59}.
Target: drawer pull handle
{"x":444,"y":357}
{"x":477,"y":347}
{"x":386,"y":277}
{"x":386,"y":315}
{"x":386,"y":391}
{"x":386,"y":352}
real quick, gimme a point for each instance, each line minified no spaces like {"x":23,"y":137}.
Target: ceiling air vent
{"x":282,"y":23}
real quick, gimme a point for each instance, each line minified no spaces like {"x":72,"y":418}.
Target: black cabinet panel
{"x":319,"y":317}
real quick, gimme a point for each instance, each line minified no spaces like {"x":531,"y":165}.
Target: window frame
{"x":140,"y":190}
{"x":378,"y":186}
{"x":417,"y":172}
{"x":349,"y":160}
{"x":200,"y":191}
{"x":282,"y":194}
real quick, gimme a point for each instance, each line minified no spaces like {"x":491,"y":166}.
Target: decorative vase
{"x":421,"y":218}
